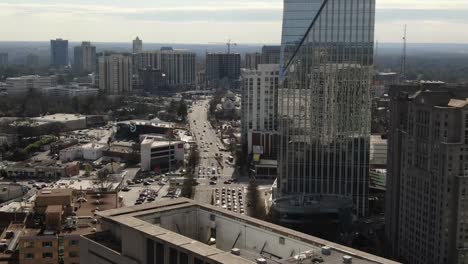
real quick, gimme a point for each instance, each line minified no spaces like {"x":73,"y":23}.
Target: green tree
{"x":88,"y":170}
{"x":103,"y":179}
{"x":18,"y":155}
{"x":182,"y":110}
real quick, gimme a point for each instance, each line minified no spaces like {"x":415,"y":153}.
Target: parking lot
{"x":148,"y":189}
{"x":231,"y":199}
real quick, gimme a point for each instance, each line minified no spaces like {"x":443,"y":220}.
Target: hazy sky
{"x":204,"y":21}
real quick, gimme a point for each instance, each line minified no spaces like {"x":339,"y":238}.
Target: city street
{"x":214,"y":163}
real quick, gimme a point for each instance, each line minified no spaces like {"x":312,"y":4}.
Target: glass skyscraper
{"x":324,"y":105}
{"x":297,"y":16}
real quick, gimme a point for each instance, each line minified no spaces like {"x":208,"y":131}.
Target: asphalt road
{"x":209,"y":145}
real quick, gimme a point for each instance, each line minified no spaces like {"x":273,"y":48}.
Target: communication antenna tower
{"x":403,"y":58}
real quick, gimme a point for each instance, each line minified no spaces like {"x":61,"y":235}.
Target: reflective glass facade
{"x":297,"y":16}
{"x":324,"y":103}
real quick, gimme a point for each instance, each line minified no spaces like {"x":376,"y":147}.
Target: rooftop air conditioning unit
{"x":347,"y":259}
{"x":235,"y":251}
{"x":326,"y":250}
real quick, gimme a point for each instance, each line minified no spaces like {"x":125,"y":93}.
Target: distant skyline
{"x":206,"y":21}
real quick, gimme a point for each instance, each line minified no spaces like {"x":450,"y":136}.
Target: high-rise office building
{"x":297,"y":18}
{"x":252,"y":60}
{"x":426,"y":211}
{"x":177,"y":65}
{"x":137,"y":45}
{"x":59,"y":52}
{"x":3,"y":59}
{"x":151,"y":80}
{"x":115,"y":74}
{"x":32,"y":60}
{"x":222,"y":66}
{"x":271,"y":54}
{"x":324,"y":109}
{"x":259,"y":108}
{"x":85,"y":57}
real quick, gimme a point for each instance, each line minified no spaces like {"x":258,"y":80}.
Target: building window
{"x":150,"y":251}
{"x":29,"y":256}
{"x":73,"y":254}
{"x":47,"y":244}
{"x":173,"y":256}
{"x":47,"y":255}
{"x":28,"y":244}
{"x":159,"y":253}
{"x":183,"y":258}
{"x":74,"y":242}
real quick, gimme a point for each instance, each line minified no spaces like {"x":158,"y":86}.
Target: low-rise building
{"x":93,"y":151}
{"x":71,"y":153}
{"x":72,"y":90}
{"x":123,"y":151}
{"x":158,"y":154}
{"x":61,"y":217}
{"x":183,"y":231}
{"x":23,"y":84}
{"x":89,"y":151}
{"x":69,"y":121}
{"x":10,"y":191}
{"x":42,"y":169}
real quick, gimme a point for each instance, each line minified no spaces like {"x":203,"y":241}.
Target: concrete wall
{"x":183,"y":222}
{"x":252,"y":238}
{"x":196,"y":224}
{"x":145,"y":150}
{"x":93,"y":151}
{"x":133,"y":244}
{"x":92,"y":252}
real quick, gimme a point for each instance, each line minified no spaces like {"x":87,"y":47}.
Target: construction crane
{"x":228,"y":44}
{"x":403,"y":58}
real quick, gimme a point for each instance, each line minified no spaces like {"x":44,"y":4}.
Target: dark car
{"x":227,"y":182}
{"x":147,"y":183}
{"x":126,"y":189}
{"x":212,"y":183}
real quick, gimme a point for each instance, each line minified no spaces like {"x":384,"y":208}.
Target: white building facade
{"x":177,"y":65}
{"x":259,"y":101}
{"x":115,"y":74}
{"x":70,"y":91}
{"x":156,"y":153}
{"x":23,"y":84}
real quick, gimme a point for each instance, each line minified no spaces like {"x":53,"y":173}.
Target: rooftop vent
{"x":326,"y":250}
{"x":235,"y":251}
{"x":347,"y":259}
